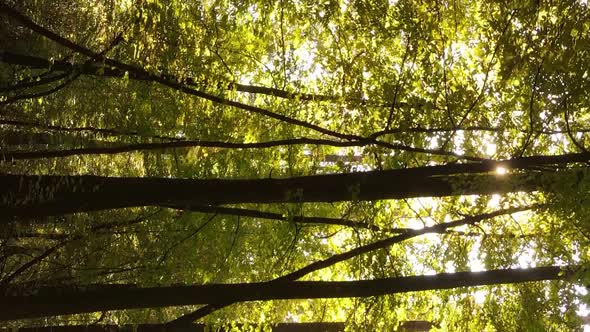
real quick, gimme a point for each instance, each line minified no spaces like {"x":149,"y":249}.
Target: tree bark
{"x":39,"y":196}
{"x":118,"y":298}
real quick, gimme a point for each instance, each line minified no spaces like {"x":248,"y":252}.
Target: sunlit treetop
{"x":482,"y":93}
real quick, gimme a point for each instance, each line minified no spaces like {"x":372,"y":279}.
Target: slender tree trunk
{"x":117,"y":298}
{"x":231,"y":211}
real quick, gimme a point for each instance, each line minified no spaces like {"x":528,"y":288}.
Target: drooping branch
{"x":21,"y":307}
{"x":68,"y":79}
{"x":35,"y":62}
{"x":103,"y":70}
{"x":36,"y":260}
{"x":26,"y":21}
{"x":30,"y":83}
{"x":63,"y":242}
{"x":179,"y":86}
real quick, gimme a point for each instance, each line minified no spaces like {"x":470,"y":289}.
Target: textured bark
{"x":79,"y":301}
{"x":37,"y":196}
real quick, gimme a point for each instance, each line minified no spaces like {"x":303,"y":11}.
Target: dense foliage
{"x":472,"y":111}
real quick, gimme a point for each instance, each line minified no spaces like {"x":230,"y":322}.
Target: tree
{"x":67,"y":194}
{"x":122,"y":297}
{"x":157,"y":143}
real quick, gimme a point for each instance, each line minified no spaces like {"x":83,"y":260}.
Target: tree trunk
{"x":38,"y":196}
{"x":108,"y":328}
{"x":116,"y":298}
{"x":281,"y":327}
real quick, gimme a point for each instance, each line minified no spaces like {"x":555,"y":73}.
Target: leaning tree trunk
{"x":80,"y":300}
{"x":37,"y":196}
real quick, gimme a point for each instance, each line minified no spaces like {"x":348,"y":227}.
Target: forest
{"x":294,"y":165}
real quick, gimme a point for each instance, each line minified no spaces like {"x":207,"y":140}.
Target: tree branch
{"x":22,"y":155}
{"x":470,"y":220}
{"x":26,"y":21}
{"x":277,"y":216}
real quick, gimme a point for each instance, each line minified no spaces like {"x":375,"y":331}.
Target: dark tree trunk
{"x":116,"y":298}
{"x":281,"y":327}
{"x":109,"y":328}
{"x":37,"y":196}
